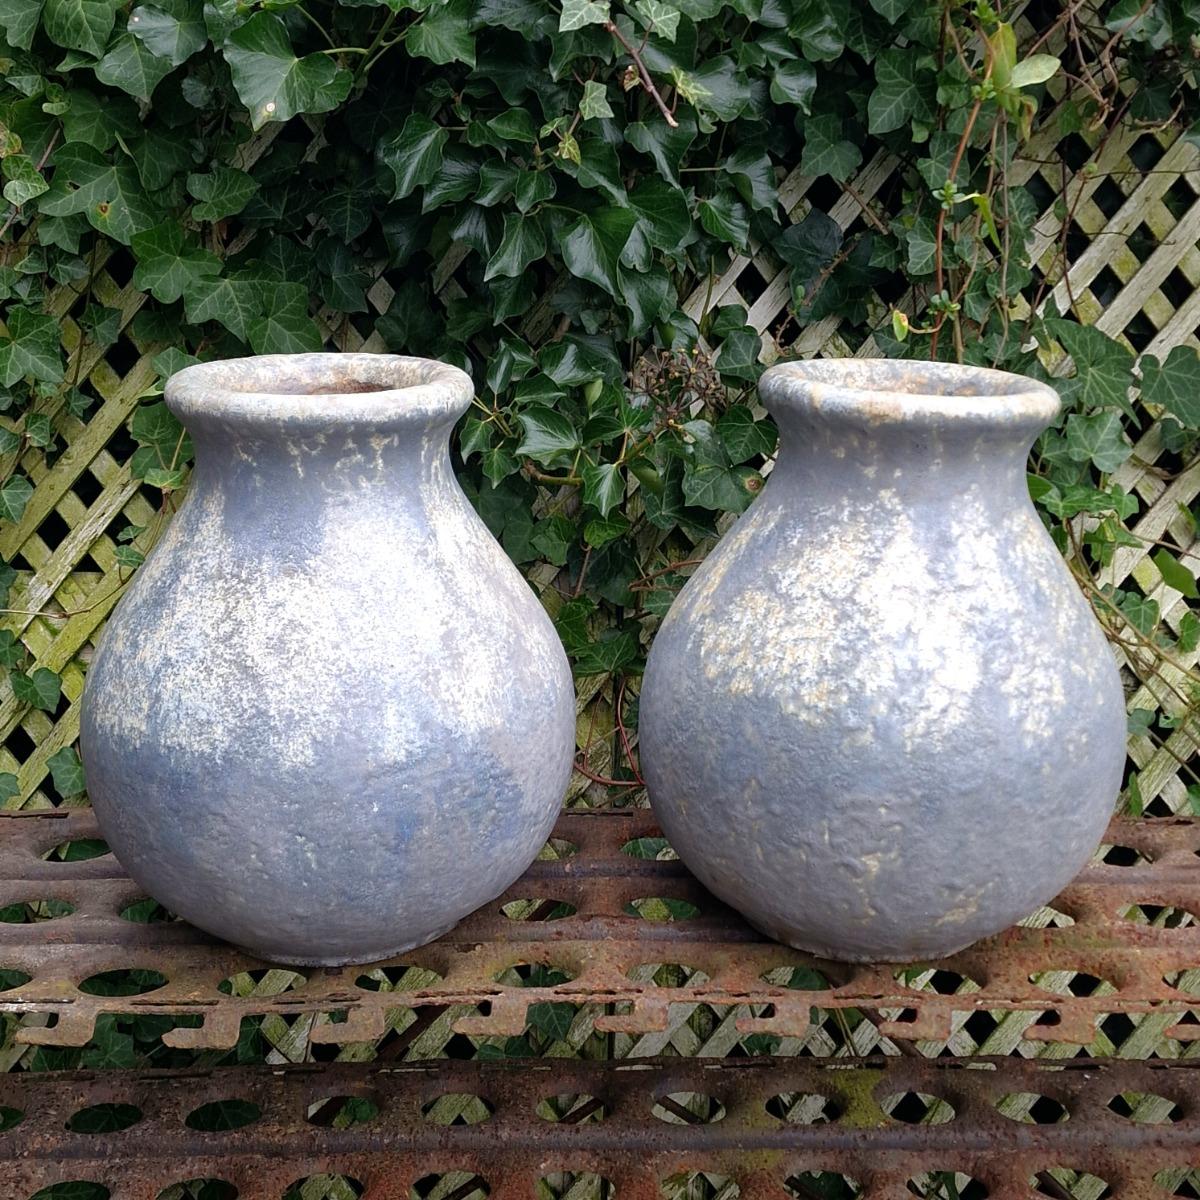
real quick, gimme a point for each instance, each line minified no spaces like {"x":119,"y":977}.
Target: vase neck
{"x":316,"y":467}
{"x":941,"y":428}
{"x":922,"y":464}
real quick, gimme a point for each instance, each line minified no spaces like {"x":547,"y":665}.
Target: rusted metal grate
{"x":1121,"y":939}
{"x":773,"y":1127}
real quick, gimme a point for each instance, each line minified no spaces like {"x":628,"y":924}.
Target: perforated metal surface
{"x":770,"y":1122}
{"x":1104,"y":962}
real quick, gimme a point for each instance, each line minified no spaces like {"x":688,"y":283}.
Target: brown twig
{"x":868,"y":214}
{"x":621,"y":783}
{"x":643,"y":73}
{"x":633,"y":765}
{"x":583,"y":566}
{"x":939,"y":271}
{"x":641,"y":585}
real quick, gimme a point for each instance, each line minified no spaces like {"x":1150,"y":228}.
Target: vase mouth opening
{"x":881,"y":391}
{"x":319,"y":389}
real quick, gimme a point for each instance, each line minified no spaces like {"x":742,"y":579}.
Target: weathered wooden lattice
{"x":1119,"y":245}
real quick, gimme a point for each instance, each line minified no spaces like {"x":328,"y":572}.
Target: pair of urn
{"x":329,"y":718}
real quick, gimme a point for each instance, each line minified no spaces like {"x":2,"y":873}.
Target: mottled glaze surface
{"x":880,"y":719}
{"x":329,"y":718}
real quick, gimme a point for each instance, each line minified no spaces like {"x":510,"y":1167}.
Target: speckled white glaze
{"x":329,"y":718}
{"x":880,"y":719}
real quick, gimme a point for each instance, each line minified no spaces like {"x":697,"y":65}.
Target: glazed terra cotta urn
{"x":880,"y":719}
{"x":329,"y":718}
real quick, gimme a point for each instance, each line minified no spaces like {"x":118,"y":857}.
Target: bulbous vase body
{"x":329,"y":718}
{"x":880,"y":719}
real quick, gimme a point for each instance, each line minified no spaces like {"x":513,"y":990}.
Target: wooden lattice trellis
{"x":1119,"y":245}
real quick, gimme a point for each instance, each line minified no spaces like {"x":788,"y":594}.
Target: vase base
{"x":830,"y":954}
{"x":343,"y":961}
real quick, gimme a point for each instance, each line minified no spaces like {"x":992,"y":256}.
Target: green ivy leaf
{"x":443,"y":34}
{"x":286,"y":327}
{"x":223,"y":192}
{"x":67,"y":772}
{"x":163,"y":447}
{"x":82,"y":25}
{"x":161,"y":154}
{"x":168,"y":265}
{"x":474,"y":437}
{"x":38,"y":429}
{"x":156,"y":426}
{"x":921,"y":243}
{"x":1097,"y":438}
{"x":39,"y":689}
{"x":523,"y":243}
{"x":552,"y":1018}
{"x":19,"y":20}
{"x":533,"y":188}
{"x":514,"y":125}
{"x":648,"y":295}
{"x":31,"y":347}
{"x":171,"y":29}
{"x":666,"y":146}
{"x":663,"y":214}
{"x":12,"y":649}
{"x":591,"y":247}
{"x":108,"y":192}
{"x":342,"y":278}
{"x":656,"y":17}
{"x":595,"y":101}
{"x":549,"y":436}
{"x":1103,"y":368}
{"x":891,"y":10}
{"x":1173,"y":384}
{"x":578,"y":13}
{"x":272,"y":82}
{"x":9,"y":786}
{"x":131,"y":66}
{"x":603,"y":486}
{"x":1189,"y":639}
{"x":744,"y":437}
{"x":817,"y":27}
{"x":738,"y":356}
{"x":1143,"y":614}
{"x":601,"y":530}
{"x":8,"y":577}
{"x":14,"y":495}
{"x":897,"y":100}
{"x":725,"y":217}
{"x":1035,"y":69}
{"x":414,"y":154}
{"x":598,"y":168}
{"x":754,"y":177}
{"x":235,"y":299}
{"x":714,"y":486}
{"x":615,"y":650}
{"x":22,"y":180}
{"x":1175,"y":574}
{"x":794,"y":81}
{"x":553,"y":538}
{"x":826,"y":151}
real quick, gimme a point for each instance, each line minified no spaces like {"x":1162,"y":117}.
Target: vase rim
{"x":885,"y":391}
{"x":321,"y":390}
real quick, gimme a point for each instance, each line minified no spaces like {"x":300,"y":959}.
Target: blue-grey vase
{"x":329,"y":718}
{"x":880,"y":719}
